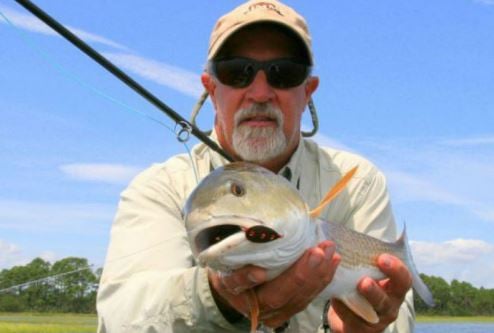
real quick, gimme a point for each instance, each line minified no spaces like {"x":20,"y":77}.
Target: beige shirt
{"x":150,"y":282}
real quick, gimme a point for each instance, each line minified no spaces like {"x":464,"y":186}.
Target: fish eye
{"x":237,"y":189}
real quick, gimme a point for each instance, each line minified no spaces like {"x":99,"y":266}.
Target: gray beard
{"x":259,"y":144}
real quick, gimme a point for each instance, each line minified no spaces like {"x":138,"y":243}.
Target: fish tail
{"x":418,"y":284}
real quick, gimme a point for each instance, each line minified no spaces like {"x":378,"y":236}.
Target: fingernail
{"x":252,"y":278}
{"x":329,"y":251}
{"x":368,"y":284}
{"x":314,"y":260}
{"x":238,"y":290}
{"x":386,"y":261}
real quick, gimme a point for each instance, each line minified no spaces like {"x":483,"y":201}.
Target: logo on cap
{"x":265,"y":5}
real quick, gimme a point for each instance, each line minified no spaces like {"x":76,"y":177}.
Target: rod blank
{"x":122,"y":76}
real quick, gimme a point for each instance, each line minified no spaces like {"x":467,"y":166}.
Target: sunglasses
{"x":239,"y":72}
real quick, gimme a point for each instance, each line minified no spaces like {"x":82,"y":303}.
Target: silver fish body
{"x":244,"y":214}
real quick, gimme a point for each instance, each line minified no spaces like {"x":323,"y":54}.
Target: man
{"x":258,"y":78}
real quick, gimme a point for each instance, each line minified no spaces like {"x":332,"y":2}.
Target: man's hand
{"x":386,"y":296}
{"x":284,"y":296}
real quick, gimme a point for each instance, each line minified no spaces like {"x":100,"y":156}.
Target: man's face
{"x":259,"y":123}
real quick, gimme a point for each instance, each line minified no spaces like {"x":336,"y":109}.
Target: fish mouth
{"x":215,"y":234}
{"x":255,"y":230}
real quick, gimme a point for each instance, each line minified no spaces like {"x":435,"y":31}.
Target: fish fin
{"x":403,"y":239}
{"x":419,"y":286}
{"x":361,"y":307}
{"x":254,"y":309}
{"x":422,"y":290}
{"x":333,"y":192}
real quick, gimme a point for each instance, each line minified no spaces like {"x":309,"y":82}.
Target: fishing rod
{"x":187,"y":127}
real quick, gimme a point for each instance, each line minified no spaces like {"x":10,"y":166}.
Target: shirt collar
{"x":292,"y":170}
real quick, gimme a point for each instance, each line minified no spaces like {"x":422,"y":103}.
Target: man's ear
{"x":210,"y":85}
{"x":311,"y":86}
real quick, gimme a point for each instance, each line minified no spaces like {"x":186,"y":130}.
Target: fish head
{"x":243,"y":214}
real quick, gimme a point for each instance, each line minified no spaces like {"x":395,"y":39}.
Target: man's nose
{"x":259,"y":90}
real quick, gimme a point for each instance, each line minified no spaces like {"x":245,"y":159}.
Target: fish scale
{"x":363,"y":250}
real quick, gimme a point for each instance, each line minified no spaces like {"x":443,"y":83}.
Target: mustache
{"x":256,"y":110}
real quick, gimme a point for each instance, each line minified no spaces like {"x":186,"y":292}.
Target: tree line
{"x":456,"y":298}
{"x":70,"y":285}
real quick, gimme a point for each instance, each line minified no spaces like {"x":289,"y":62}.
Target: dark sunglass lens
{"x":237,"y":73}
{"x":285,"y":74}
{"x":240,"y":72}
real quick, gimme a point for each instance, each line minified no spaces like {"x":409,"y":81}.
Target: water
{"x":454,"y":328}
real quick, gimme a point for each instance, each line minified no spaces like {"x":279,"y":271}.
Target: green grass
{"x":47,"y":323}
{"x":83,"y":323}
{"x":452,"y":319}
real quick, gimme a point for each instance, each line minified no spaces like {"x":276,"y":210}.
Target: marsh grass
{"x":453,"y":319}
{"x":47,"y":323}
{"x":86,"y":323}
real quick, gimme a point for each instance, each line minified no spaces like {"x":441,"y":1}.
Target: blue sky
{"x":408,"y":84}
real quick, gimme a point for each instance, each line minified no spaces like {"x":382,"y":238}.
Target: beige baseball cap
{"x":257,"y":11}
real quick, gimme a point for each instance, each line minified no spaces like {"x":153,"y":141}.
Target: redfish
{"x":243,"y":214}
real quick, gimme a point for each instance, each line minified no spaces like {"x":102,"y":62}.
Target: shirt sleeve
{"x":149,"y":283}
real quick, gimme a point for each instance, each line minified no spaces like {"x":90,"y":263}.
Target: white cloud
{"x":422,"y":171}
{"x":174,"y":77}
{"x":10,"y":254}
{"x":453,"y":251}
{"x":56,"y":218}
{"x":468,"y":142}
{"x":484,"y":212}
{"x":453,"y":172}
{"x":462,"y":259}
{"x":106,"y":173}
{"x":410,"y":187}
{"x":30,"y":23}
{"x":13,"y":255}
{"x":49,"y":256}
{"x":485,"y":2}
{"x":327,"y":141}
{"x":171,"y":76}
